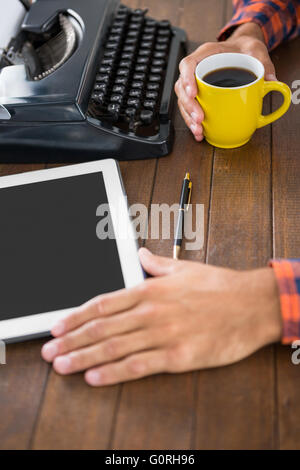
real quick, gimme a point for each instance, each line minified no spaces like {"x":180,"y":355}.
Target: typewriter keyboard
{"x":130,"y":79}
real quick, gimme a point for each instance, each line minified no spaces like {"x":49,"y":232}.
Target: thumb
{"x":156,"y":265}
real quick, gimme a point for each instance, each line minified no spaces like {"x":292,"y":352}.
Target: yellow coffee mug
{"x":231,"y":115}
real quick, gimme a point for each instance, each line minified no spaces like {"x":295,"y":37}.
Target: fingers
{"x":196,"y":129}
{"x":101,"y":306}
{"x":190,"y":105}
{"x":92,"y":332}
{"x":108,"y":351}
{"x":132,"y":368}
{"x":265,"y":59}
{"x":187,"y":69}
{"x":157,"y":265}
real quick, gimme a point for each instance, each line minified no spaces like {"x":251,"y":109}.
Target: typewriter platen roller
{"x":83,"y":80}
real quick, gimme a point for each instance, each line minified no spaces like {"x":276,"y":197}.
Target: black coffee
{"x":230,"y":77}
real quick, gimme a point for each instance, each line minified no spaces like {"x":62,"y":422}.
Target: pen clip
{"x":190,"y":195}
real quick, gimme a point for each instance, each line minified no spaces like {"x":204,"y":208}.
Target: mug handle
{"x":287,"y":96}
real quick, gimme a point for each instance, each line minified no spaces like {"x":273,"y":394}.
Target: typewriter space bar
{"x":175,"y":55}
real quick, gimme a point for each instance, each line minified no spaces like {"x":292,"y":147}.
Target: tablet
{"x":55,"y":254}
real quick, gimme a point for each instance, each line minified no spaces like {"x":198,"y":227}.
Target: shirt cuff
{"x":287,"y":273}
{"x":227,"y":31}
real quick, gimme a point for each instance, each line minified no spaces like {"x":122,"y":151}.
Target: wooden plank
{"x":235,"y":408}
{"x":23,"y":377}
{"x":238,"y":413}
{"x":160,"y":409}
{"x":70,"y":405}
{"x":286,"y":202}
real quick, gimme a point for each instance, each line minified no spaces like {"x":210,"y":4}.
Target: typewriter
{"x":83,"y":80}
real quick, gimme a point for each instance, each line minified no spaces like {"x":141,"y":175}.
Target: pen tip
{"x":187,"y":176}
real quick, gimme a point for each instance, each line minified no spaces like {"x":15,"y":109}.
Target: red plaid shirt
{"x":279,"y":21}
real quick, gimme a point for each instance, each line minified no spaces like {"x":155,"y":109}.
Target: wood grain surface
{"x":251,"y":198}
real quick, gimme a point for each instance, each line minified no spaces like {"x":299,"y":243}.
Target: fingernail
{"x":189,"y":91}
{"x":194,"y":128}
{"x":271,"y":77}
{"x":194,"y":116}
{"x":62,"y":364}
{"x":58,"y":328}
{"x":93,"y":377}
{"x":49,"y":351}
{"x":145,"y":251}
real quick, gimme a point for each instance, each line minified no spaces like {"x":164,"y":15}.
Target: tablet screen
{"x":51,"y":258}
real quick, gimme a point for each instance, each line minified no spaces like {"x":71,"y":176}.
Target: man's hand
{"x":189,"y":316}
{"x":247,"y":39}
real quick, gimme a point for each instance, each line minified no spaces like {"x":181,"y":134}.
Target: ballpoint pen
{"x":185,"y":199}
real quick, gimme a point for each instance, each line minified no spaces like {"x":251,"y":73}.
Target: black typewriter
{"x":87,"y":79}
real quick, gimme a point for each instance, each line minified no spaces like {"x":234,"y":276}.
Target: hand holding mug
{"x":246,"y":39}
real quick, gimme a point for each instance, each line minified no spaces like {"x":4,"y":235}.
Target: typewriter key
{"x":130,"y":113}
{"x":159,"y":55}
{"x":102,"y":78}
{"x":105,"y":69}
{"x":157,"y":70}
{"x":138,"y":85}
{"x":153,"y":86}
{"x":149,"y":30}
{"x":119,"y":89}
{"x":149,"y":104}
{"x":144,"y":53}
{"x":99,"y":98}
{"x":141,"y":68}
{"x":112,"y":45}
{"x":148,"y":37}
{"x":116,"y":99}
{"x":139,"y":76}
{"x":132,"y":34}
{"x":127,"y":56}
{"x":150,"y":23}
{"x":143,"y":60}
{"x":154,"y":78}
{"x":100,"y":87}
{"x":129,"y":48}
{"x":131,"y":41}
{"x":146,"y":116}
{"x":123,"y":72}
{"x":114,"y":109}
{"x":161,"y":47}
{"x":135,"y":93}
{"x":152,"y":95}
{"x":162,"y":40}
{"x":133,"y":102}
{"x":116,"y":30}
{"x":107,"y":62}
{"x":158,"y":62}
{"x":110,"y":54}
{"x":121,"y":81}
{"x":165,"y":24}
{"x":125,"y":64}
{"x":164,"y":32}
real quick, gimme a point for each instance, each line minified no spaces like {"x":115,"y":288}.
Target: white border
{"x":229,"y":59}
{"x":42,"y":323}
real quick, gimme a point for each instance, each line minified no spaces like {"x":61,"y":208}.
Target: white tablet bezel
{"x":39,"y":325}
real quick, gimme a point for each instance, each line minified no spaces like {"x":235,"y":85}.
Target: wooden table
{"x":252,"y":199}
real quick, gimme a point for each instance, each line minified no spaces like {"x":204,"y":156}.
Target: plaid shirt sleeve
{"x":287,"y":273}
{"x":278,"y":19}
